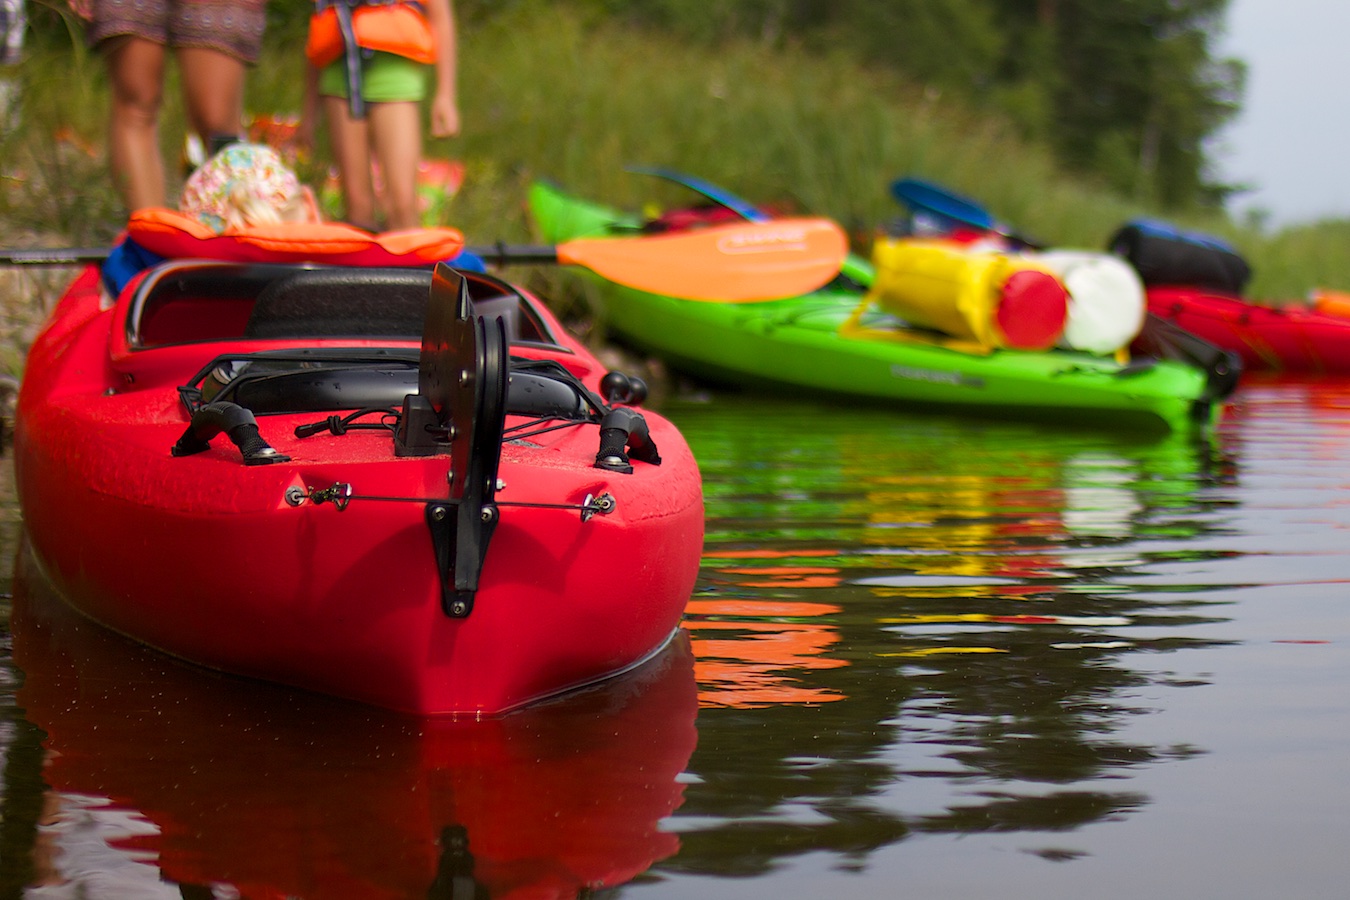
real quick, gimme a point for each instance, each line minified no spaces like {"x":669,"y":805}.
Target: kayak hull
{"x":797,"y":345}
{"x":248,"y":570}
{"x":1269,"y":338}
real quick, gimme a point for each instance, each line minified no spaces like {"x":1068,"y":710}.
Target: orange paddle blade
{"x":735,"y":263}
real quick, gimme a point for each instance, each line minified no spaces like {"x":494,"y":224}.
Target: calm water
{"x":927,"y":658}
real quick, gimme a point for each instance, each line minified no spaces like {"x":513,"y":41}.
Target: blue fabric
{"x":1158,"y":228}
{"x":125,"y":262}
{"x":469,"y":262}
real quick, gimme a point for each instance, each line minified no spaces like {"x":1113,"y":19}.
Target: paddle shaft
{"x":728,"y":264}
{"x":521,"y":254}
{"x":78,"y":256}
{"x":55,"y":256}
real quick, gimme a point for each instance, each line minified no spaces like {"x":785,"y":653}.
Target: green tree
{"x":1132,"y":88}
{"x":953,"y":44}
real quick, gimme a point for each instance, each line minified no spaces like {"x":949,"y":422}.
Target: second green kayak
{"x":833,"y":342}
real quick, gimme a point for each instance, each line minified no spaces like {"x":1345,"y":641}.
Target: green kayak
{"x":833,"y":342}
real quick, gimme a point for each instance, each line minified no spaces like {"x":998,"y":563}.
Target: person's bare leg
{"x":213,"y":91}
{"x":136,"y":78}
{"x":351,"y":152}
{"x":396,"y":137}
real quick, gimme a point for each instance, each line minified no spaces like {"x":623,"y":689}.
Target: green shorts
{"x":385,"y":78}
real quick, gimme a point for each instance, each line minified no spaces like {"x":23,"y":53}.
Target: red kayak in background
{"x":406,"y":488}
{"x":1197,"y":282}
{"x":1291,"y":338}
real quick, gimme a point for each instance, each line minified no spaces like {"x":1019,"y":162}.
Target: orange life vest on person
{"x":395,"y":26}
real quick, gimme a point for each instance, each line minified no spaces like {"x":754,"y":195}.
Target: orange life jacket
{"x":173,"y":235}
{"x":398,"y":27}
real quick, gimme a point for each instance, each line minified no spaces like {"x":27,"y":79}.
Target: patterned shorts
{"x":230,"y":26}
{"x":12,"y":24}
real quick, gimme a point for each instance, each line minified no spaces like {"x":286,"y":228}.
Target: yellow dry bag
{"x":992,"y":298}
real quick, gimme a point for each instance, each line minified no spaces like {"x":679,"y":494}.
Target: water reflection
{"x":923,"y":625}
{"x":162,"y":778}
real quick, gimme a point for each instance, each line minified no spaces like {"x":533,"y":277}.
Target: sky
{"x":1293,"y":137}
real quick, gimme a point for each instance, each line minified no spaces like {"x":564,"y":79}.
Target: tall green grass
{"x":547,"y":92}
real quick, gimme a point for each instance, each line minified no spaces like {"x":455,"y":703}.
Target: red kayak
{"x":1197,"y":282}
{"x":406,"y":488}
{"x":1287,"y":338}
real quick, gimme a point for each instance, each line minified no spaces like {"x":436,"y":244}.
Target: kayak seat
{"x":189,"y":301}
{"x":342,"y":302}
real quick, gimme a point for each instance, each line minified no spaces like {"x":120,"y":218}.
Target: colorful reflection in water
{"x":982,"y":523}
{"x":941,"y":600}
{"x":750,"y":647}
